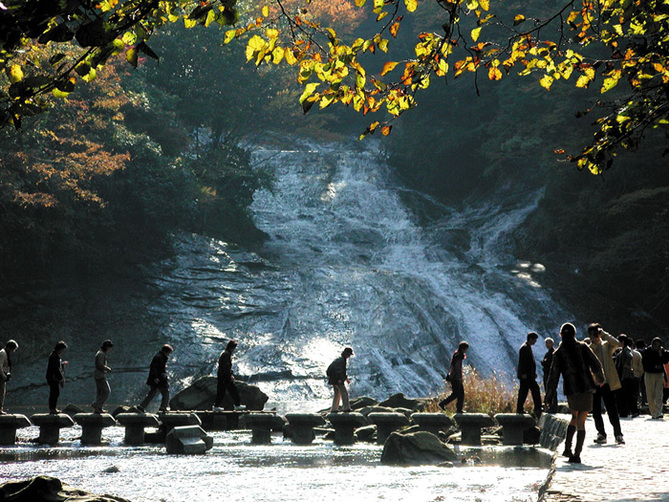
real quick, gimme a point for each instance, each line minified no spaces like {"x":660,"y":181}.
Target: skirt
{"x":580,"y":402}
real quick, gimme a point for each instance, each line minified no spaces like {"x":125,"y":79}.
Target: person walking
{"x":654,"y":358}
{"x":338,"y":378}
{"x":527,"y":374}
{"x":604,"y":345}
{"x":581,"y":373}
{"x":624,"y":359}
{"x":55,"y":375}
{"x":102,"y":389}
{"x":455,"y":378}
{"x":157,"y":380}
{"x":637,"y":371}
{"x":552,"y":406}
{"x":226,"y":379}
{"x":6,"y":370}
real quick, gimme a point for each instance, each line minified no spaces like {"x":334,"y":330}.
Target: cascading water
{"x":346,"y":264}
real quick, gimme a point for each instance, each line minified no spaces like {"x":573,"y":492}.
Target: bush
{"x":489,"y":395}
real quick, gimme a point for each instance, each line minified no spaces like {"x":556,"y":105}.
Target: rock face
{"x":415,"y":448}
{"x":47,"y":489}
{"x":201,"y":396}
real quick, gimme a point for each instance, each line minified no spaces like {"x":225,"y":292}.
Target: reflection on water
{"x":235,"y":469}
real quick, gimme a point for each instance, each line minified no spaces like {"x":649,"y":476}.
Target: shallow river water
{"x":280,"y":472}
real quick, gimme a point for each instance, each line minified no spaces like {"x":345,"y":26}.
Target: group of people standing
{"x":601,"y":369}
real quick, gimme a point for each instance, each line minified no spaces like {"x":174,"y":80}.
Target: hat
{"x":348,"y":350}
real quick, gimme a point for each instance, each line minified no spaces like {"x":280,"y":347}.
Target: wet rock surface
{"x":48,"y":489}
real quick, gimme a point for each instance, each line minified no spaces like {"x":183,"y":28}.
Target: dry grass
{"x":489,"y":395}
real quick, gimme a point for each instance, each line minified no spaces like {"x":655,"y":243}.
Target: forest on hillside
{"x":100,"y":183}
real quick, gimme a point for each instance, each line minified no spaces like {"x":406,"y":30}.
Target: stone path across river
{"x":636,"y":471}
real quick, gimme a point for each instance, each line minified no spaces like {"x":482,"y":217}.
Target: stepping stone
{"x":134,"y":424}
{"x":92,"y":425}
{"x":386,"y":423}
{"x":8,"y":426}
{"x":470,"y":426}
{"x":432,"y":422}
{"x":302,"y":426}
{"x":188,"y":439}
{"x":170,"y":420}
{"x":50,"y":426}
{"x":262,"y":425}
{"x":344,"y":425}
{"x":514,"y":426}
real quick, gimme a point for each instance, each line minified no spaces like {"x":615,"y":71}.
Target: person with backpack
{"x":338,"y":378}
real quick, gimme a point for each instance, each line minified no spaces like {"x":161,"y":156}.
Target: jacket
{"x":580,"y":369}
{"x":527,"y":367}
{"x":101,"y":368}
{"x":225,"y":365}
{"x":546,"y":363}
{"x":54,"y":369}
{"x":624,"y":359}
{"x":654,"y":361}
{"x":455,"y":371}
{"x":604,"y":351}
{"x":158,"y":371}
{"x":336,"y":372}
{"x":5,"y":367}
{"x":637,"y":364}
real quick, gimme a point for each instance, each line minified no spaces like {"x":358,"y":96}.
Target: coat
{"x":54,"y":369}
{"x":225,"y":365}
{"x":527,"y":367}
{"x":158,"y":371}
{"x":336,"y":372}
{"x":455,"y":370}
{"x":101,"y":368}
{"x":580,"y":369}
{"x":604,"y":351}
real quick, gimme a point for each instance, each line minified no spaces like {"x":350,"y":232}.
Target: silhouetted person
{"x":546,"y":362}
{"x":624,"y":366}
{"x":581,"y":373}
{"x":640,"y":347}
{"x":55,"y":375}
{"x":637,"y":370}
{"x":604,"y":345}
{"x":338,"y":378}
{"x":654,"y":358}
{"x":6,"y":370}
{"x":157,"y":379}
{"x":102,"y":389}
{"x":456,"y":379}
{"x":527,"y":375}
{"x":226,"y":379}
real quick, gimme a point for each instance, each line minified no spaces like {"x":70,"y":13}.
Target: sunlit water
{"x":280,"y":472}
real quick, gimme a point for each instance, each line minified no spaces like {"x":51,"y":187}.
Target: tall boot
{"x":571,"y":430}
{"x":580,"y":439}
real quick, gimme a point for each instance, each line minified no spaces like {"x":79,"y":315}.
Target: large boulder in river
{"x":400,"y":401}
{"x":415,"y":448}
{"x":202,"y":394}
{"x":47,"y":489}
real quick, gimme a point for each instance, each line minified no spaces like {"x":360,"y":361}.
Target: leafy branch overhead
{"x":590,"y":43}
{"x":619,"y":47}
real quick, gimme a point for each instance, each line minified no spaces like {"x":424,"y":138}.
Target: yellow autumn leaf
{"x":309,"y":90}
{"x":15,"y":73}
{"x":388,"y":67}
{"x":546,"y":82}
{"x":411,"y":5}
{"x":265,"y":10}
{"x":583,"y":82}
{"x":494,"y":73}
{"x":229,"y":36}
{"x":290,"y":57}
{"x":475,"y":33}
{"x":484,"y":4}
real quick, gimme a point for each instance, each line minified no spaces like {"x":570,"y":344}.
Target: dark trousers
{"x":226,"y":384}
{"x":553,"y":405}
{"x":164,"y":391}
{"x":54,"y":392}
{"x":627,"y":397}
{"x":605,"y":393}
{"x":457,"y":392}
{"x":529,"y":385}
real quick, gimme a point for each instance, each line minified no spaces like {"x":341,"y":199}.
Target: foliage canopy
{"x":591,"y":43}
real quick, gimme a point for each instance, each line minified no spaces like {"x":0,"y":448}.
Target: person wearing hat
{"x":55,"y":375}
{"x":337,"y":377}
{"x":5,"y":370}
{"x":100,"y":375}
